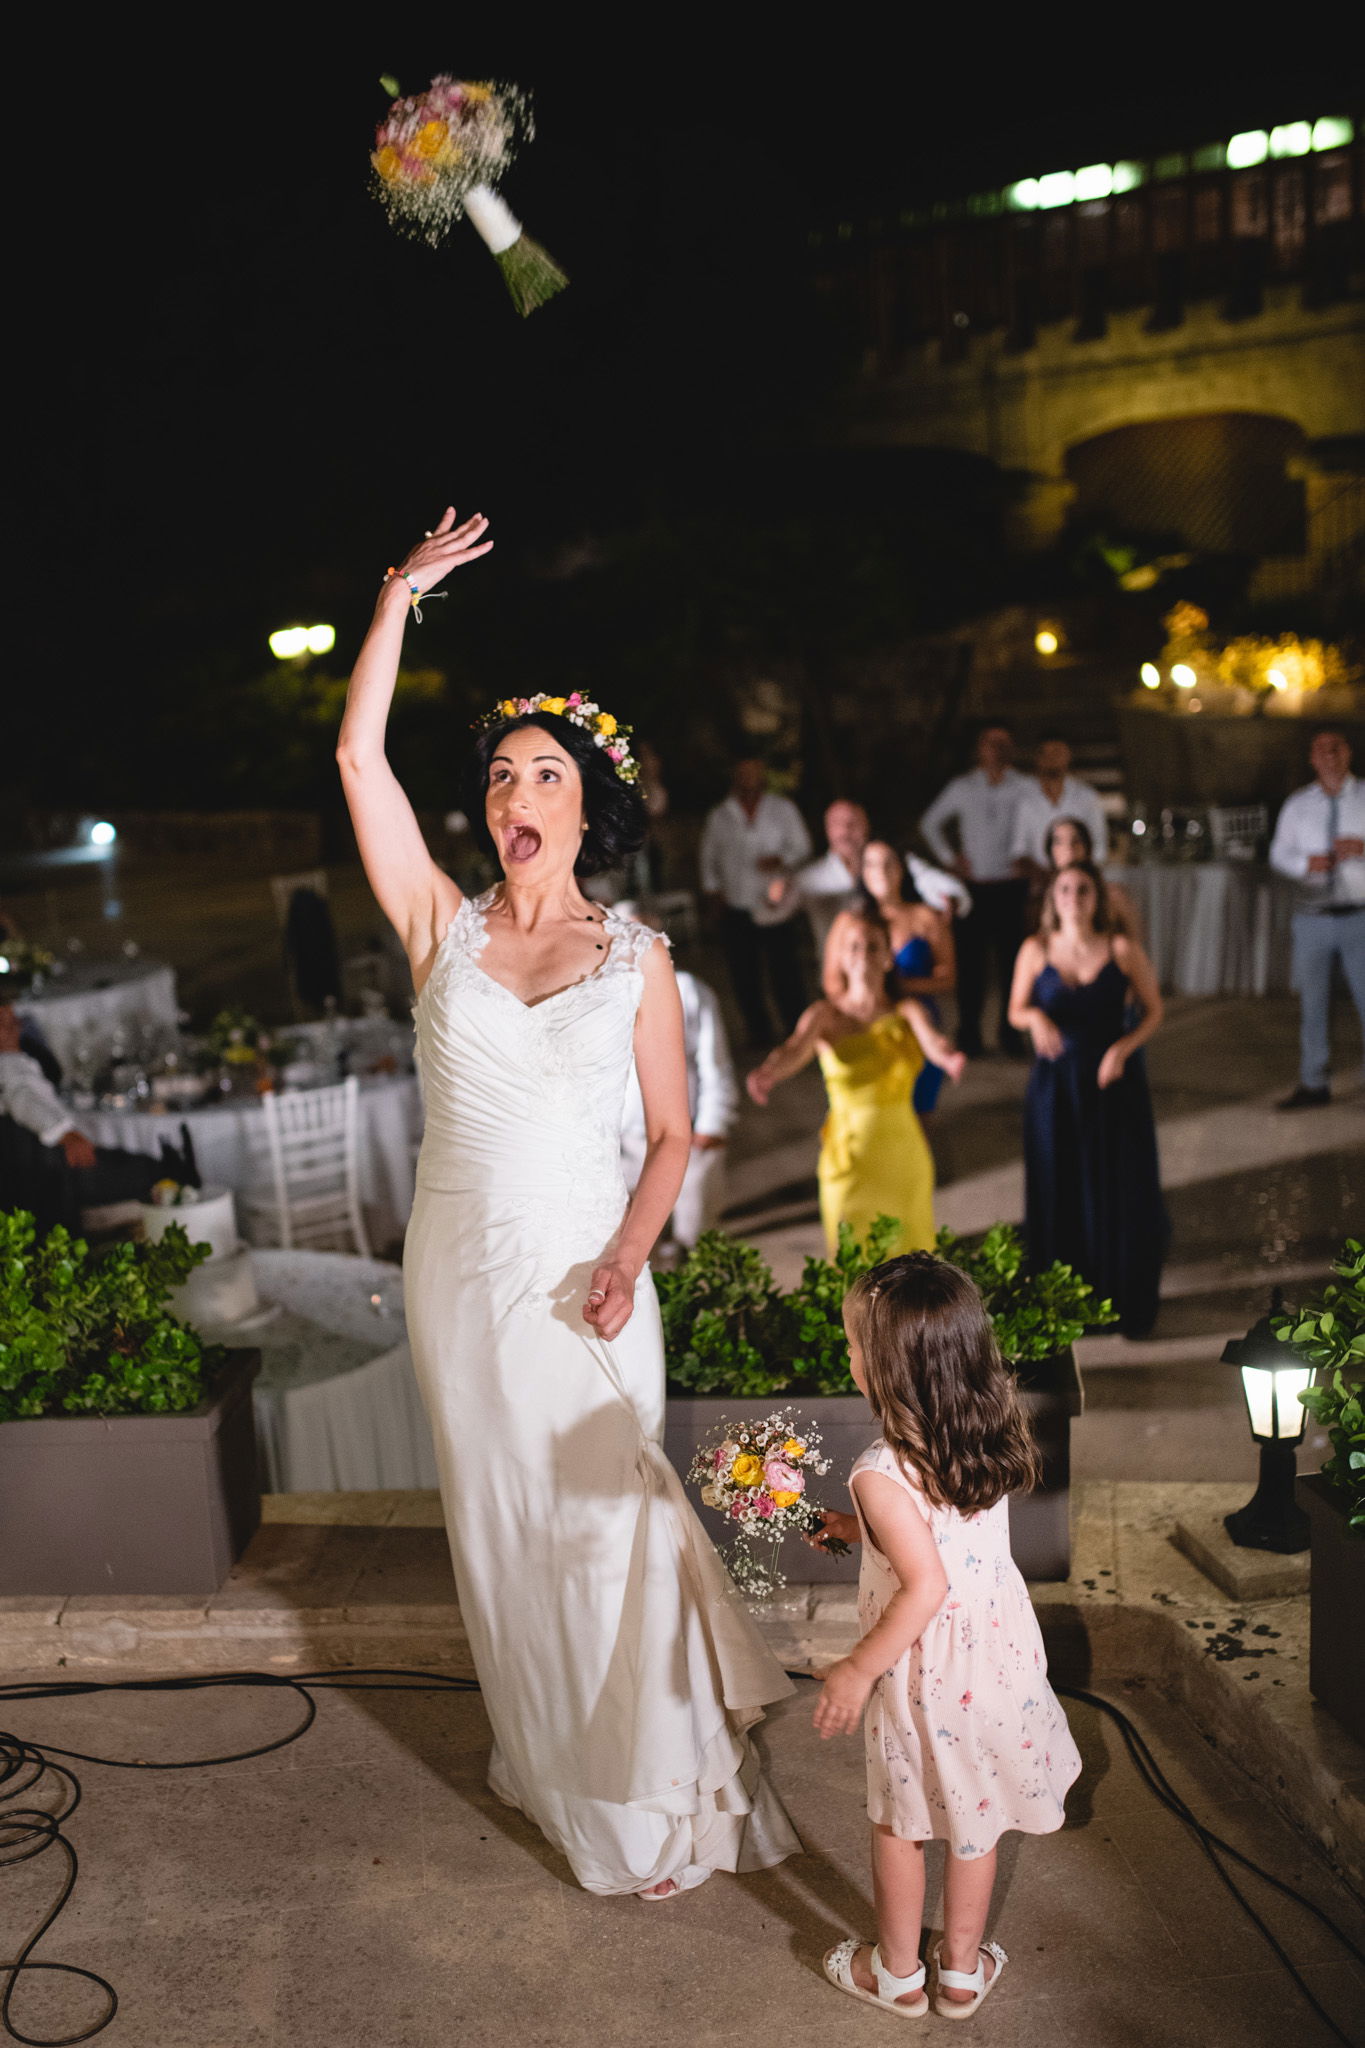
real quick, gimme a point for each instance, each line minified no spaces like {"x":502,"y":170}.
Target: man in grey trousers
{"x":1320,"y":843}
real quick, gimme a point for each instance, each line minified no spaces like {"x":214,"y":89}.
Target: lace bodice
{"x":523,"y":1101}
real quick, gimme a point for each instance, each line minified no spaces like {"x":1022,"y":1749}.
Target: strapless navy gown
{"x":1093,"y":1183}
{"x":915,"y":961}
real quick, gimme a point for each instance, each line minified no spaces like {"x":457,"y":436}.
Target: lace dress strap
{"x":631,"y":941}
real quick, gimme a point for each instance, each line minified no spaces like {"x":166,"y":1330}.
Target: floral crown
{"x":613,"y":739}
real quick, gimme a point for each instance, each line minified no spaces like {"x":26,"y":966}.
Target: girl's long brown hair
{"x":946,"y":1404}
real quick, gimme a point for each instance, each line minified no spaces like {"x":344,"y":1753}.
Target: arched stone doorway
{"x":1217,"y":482}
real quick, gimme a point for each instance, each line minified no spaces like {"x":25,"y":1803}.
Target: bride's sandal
{"x":967,"y":1980}
{"x":838,"y":1967}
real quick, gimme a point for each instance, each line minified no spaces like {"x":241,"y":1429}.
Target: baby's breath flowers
{"x":755,"y":1474}
{"x":438,"y":154}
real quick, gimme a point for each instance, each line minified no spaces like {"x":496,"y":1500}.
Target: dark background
{"x":244,"y":395}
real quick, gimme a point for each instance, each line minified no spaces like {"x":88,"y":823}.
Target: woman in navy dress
{"x":1093,"y":1182}
{"x":921,"y":943}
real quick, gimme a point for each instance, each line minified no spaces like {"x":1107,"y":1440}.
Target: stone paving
{"x":363,"y":1887}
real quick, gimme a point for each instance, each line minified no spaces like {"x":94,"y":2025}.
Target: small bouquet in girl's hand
{"x":438,"y":154}
{"x":755,"y":1474}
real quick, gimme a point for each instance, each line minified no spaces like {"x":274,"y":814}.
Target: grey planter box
{"x":131,"y":1503}
{"x":1336,"y":1589}
{"x":1040,"y":1522}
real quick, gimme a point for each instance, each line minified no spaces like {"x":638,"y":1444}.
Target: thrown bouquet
{"x":755,"y":1474}
{"x":439,"y":153}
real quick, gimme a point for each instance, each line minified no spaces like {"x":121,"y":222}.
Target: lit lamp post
{"x":292,"y":642}
{"x":1273,"y":1377}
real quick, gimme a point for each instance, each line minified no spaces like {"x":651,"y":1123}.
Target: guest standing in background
{"x":712,"y":1098}
{"x":1068,"y":841}
{"x":874,"y":1160}
{"x":1320,"y":844}
{"x":752,"y":844}
{"x":1092,"y":1183}
{"x":980,"y":806}
{"x":834,"y":881}
{"x":1050,"y":795}
{"x":921,"y":948}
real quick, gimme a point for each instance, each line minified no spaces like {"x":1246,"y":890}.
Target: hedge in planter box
{"x":127,"y":1446}
{"x":87,"y":1331}
{"x":729,"y":1330}
{"x":1331,"y":1333}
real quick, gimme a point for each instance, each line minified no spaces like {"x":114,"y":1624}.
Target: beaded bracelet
{"x":411,"y":582}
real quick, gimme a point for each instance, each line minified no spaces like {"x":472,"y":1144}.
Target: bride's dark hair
{"x":614,"y":810}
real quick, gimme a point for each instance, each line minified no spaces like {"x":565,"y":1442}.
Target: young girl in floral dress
{"x":965,"y":1737}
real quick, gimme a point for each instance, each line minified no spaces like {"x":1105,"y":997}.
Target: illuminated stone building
{"x":1172,"y":347}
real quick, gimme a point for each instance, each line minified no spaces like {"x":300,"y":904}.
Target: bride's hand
{"x":446,"y":547}
{"x":611,"y":1299}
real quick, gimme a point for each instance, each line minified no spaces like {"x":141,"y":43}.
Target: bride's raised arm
{"x":416,"y":896}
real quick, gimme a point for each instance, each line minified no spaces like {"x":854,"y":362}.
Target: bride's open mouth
{"x":520,"y":843}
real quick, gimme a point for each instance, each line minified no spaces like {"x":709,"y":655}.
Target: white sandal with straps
{"x":838,"y":1967}
{"x":967,"y":1980}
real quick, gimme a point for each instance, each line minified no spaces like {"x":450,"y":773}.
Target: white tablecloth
{"x":229,"y":1143}
{"x":337,"y":1407}
{"x":94,"y":998}
{"x":1215,"y":927}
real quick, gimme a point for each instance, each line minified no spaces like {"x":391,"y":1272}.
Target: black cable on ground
{"x":28,"y":1832}
{"x":1156,"y":1782}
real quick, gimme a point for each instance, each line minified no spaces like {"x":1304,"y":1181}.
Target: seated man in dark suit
{"x":48,"y":1165}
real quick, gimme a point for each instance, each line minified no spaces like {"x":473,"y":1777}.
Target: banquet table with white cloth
{"x":336,"y":1403}
{"x":230,"y":1146}
{"x":1213,"y":927}
{"x":92,"y":999}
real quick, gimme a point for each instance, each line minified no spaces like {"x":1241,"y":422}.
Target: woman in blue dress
{"x":922,"y":947}
{"x":1093,"y":1185}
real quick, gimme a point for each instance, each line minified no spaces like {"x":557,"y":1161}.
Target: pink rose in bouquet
{"x":781,"y":1477}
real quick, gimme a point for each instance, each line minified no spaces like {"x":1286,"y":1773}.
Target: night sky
{"x":247,"y":394}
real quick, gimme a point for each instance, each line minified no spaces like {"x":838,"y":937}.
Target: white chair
{"x":1238,"y":831}
{"x":312,"y":1139}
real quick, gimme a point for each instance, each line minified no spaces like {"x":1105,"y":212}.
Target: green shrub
{"x":87,"y":1332}
{"x":1330,"y":1331}
{"x":1035,"y":1315}
{"x":729,"y":1330}
{"x":820,"y":1348}
{"x":724,"y":1321}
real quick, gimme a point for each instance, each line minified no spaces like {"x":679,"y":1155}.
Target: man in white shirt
{"x":979,"y":809}
{"x":1055,"y":794}
{"x":1320,"y":844}
{"x":48,"y":1165}
{"x":834,"y":881}
{"x":830,"y":884}
{"x":713,"y":1100}
{"x":751,"y":847}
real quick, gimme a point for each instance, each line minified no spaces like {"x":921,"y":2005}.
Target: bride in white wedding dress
{"x":620,"y":1670}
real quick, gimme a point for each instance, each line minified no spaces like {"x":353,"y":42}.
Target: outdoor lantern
{"x":1273,"y":1376}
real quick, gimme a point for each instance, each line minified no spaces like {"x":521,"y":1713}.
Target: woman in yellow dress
{"x":874,"y":1160}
